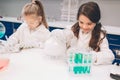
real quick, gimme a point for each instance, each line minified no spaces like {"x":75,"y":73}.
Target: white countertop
{"x":33,"y":64}
{"x":11,"y":19}
{"x":63,"y":24}
{"x":112,"y":29}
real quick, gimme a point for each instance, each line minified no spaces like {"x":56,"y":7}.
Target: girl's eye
{"x":81,"y":22}
{"x":89,"y":24}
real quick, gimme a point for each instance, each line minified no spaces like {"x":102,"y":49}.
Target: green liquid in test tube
{"x":71,"y":58}
{"x":85,"y":58}
{"x":90,"y":58}
{"x":78,"y":58}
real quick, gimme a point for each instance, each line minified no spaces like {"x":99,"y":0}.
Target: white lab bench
{"x":33,"y":64}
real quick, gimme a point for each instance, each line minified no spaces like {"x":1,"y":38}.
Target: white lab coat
{"x":104,"y":56}
{"x":26,"y":38}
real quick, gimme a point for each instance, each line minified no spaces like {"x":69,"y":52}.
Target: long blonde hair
{"x":35,"y":7}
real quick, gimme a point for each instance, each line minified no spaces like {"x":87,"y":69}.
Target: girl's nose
{"x":84,"y":26}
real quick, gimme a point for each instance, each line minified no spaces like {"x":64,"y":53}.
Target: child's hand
{"x":29,"y":44}
{"x":25,"y":45}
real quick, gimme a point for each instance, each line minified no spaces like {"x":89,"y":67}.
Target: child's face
{"x":86,"y":24}
{"x":32,"y":21}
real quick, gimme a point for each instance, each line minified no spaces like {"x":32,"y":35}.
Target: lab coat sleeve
{"x":58,"y":35}
{"x":56,"y":44}
{"x":105,"y":56}
{"x":14,"y":39}
{"x":64,"y":36}
{"x":36,"y":39}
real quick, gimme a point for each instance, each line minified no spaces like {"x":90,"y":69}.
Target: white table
{"x":32,"y":64}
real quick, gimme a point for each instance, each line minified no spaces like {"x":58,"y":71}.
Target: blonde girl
{"x":33,"y":32}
